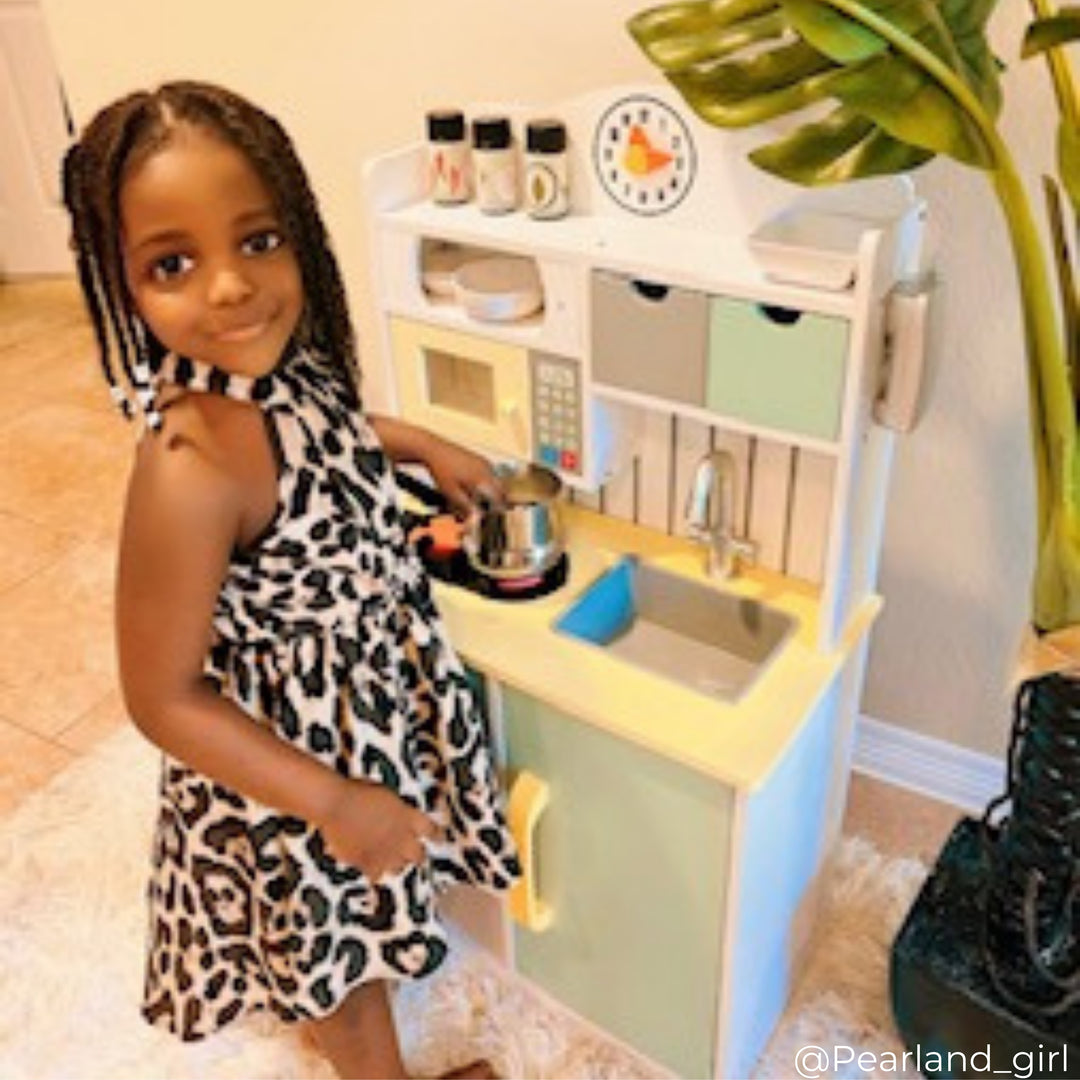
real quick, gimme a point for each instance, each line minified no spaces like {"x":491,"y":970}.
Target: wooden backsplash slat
{"x":655,"y":476}
{"x":810,"y":507}
{"x":621,"y":494}
{"x":769,"y":495}
{"x":783,"y":495}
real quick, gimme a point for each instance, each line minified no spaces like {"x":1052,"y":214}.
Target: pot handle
{"x":430,"y":496}
{"x":529,"y":797}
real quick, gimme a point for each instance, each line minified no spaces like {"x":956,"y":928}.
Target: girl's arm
{"x":186,"y":509}
{"x":460,"y":474}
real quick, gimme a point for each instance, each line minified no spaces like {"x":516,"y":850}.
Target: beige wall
{"x":350,"y":78}
{"x":959,"y":543}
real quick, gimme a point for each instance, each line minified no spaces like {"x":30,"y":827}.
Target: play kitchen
{"x":686,"y":345}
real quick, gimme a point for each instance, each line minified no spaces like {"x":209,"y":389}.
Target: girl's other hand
{"x":463,"y":477}
{"x":370,"y":827}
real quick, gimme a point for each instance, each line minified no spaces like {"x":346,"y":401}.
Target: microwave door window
{"x":460,"y":385}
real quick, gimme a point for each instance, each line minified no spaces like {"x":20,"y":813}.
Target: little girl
{"x":326,"y":770}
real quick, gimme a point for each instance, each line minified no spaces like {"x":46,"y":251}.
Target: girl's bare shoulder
{"x":204,"y":460}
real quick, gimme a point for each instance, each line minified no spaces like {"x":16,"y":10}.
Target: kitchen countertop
{"x":737,"y":743}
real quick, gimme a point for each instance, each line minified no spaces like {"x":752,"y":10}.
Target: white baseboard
{"x":933,"y":767}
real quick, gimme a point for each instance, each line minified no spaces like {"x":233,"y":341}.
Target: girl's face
{"x":205,"y":255}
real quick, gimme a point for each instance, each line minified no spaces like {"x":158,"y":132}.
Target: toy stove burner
{"x":453,"y":568}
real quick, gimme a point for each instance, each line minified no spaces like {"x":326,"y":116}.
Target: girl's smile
{"x":206,"y":258}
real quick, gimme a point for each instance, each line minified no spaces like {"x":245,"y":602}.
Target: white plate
{"x":810,"y":247}
{"x":499,"y":289}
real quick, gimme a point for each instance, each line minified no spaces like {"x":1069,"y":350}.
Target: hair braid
{"x":89,"y":272}
{"x":93,"y":169}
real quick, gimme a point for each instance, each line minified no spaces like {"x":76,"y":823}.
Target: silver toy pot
{"x":522,"y":536}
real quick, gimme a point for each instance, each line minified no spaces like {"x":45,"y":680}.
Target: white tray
{"x":810,"y":247}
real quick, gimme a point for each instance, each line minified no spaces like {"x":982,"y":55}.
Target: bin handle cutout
{"x":529,"y":797}
{"x":650,"y":290}
{"x":783,"y":316}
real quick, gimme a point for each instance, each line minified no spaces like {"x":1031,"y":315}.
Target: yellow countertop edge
{"x":739,"y":744}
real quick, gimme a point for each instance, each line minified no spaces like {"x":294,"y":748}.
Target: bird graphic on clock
{"x":644,"y":155}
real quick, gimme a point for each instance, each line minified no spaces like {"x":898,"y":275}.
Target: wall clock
{"x":644,"y":155}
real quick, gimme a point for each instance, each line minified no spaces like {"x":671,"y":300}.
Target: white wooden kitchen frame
{"x":814,"y":506}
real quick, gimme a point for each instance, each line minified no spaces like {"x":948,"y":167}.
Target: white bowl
{"x":500,"y":289}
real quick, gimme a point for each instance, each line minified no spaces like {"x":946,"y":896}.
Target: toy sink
{"x":713,"y":641}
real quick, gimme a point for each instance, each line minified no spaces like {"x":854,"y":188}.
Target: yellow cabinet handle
{"x":529,"y":796}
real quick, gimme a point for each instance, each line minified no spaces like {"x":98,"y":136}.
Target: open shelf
{"x":645,"y":249}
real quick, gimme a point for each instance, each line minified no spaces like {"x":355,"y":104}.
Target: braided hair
{"x":117,"y":141}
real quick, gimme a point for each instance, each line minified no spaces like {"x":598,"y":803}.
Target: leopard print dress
{"x":325,"y":633}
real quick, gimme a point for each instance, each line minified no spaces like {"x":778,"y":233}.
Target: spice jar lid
{"x":545,"y":137}
{"x":491,"y":133}
{"x":446,"y":125}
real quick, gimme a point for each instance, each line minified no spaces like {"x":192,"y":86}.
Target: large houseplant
{"x":889,"y":85}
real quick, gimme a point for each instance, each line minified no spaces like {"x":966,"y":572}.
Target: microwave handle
{"x":512,"y":414}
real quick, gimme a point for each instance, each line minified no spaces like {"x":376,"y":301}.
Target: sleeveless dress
{"x":325,"y":633}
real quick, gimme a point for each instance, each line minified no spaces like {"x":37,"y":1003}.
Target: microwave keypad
{"x":556,"y":409}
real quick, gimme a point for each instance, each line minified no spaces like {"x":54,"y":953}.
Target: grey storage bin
{"x":649,"y":337}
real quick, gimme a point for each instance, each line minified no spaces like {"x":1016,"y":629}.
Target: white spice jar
{"x":494,"y":165}
{"x":448,"y":157}
{"x":547,"y":184}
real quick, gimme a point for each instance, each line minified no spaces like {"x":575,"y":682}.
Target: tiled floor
{"x":63,"y":457}
{"x":63,"y":461}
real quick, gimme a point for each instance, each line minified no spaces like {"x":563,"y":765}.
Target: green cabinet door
{"x":631,"y":856}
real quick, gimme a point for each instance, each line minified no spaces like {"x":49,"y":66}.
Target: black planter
{"x":1032,"y":944}
{"x":950,"y":1016}
{"x":988,"y":959}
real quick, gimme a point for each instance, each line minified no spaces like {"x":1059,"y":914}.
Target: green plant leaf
{"x":1069,"y":162}
{"x":768,"y":84}
{"x":1048,"y":35}
{"x":847,"y":40}
{"x":844,"y":146}
{"x":761,"y":72}
{"x":893,"y":93}
{"x":1056,"y":599}
{"x":1070,"y":301}
{"x":676,"y":36}
{"x":834,"y":34}
{"x":953,"y":30}
{"x":684,"y":38}
{"x":736,"y":65}
{"x":979,"y":67}
{"x":1059,"y":29}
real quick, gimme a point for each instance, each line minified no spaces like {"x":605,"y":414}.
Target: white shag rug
{"x":73,"y":861}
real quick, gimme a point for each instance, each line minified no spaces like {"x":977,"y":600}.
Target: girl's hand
{"x":370,"y":827}
{"x":463,"y":477}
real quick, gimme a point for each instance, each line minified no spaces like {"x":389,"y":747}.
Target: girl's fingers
{"x":412,"y":854}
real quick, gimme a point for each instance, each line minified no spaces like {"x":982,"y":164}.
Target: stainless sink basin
{"x":699,"y":636}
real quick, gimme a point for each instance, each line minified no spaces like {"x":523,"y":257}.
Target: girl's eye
{"x":170,"y":266}
{"x":262,"y":242}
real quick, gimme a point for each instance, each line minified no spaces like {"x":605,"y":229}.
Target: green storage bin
{"x":776,"y":367}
